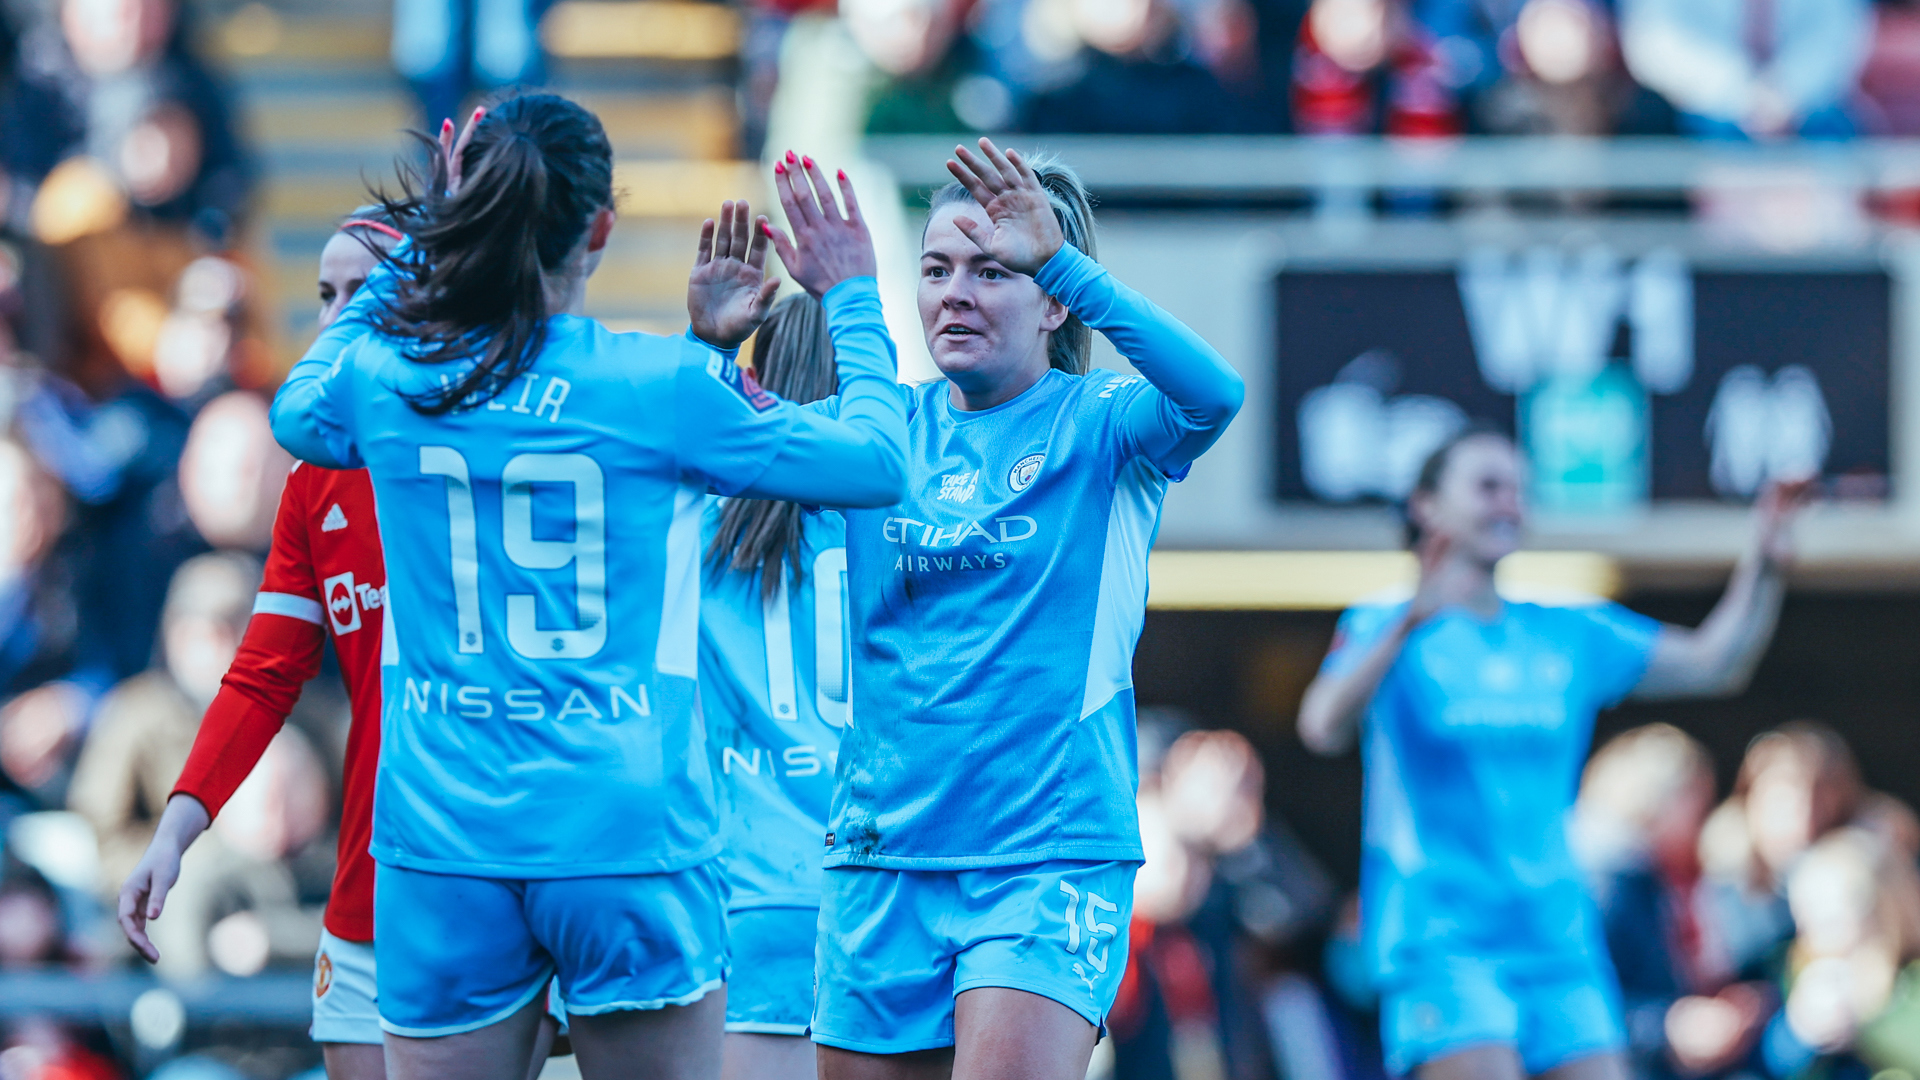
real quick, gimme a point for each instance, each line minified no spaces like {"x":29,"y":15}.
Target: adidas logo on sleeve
{"x":334,"y":521}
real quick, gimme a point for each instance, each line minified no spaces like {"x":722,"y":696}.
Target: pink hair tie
{"x":376,"y":226}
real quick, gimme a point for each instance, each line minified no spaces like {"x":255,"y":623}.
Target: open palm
{"x":729,"y":292}
{"x":1020,"y":232}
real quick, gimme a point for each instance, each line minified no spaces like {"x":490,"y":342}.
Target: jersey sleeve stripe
{"x":294,"y":607}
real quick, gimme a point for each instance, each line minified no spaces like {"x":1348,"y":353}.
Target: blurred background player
{"x":526,"y":820}
{"x":983,"y":839}
{"x":773,"y":687}
{"x":1478,"y":712}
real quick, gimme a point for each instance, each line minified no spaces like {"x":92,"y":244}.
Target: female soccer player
{"x":544,"y":799}
{"x":773,"y":686}
{"x":324,"y":577}
{"x":982,"y":841}
{"x":1478,"y":713}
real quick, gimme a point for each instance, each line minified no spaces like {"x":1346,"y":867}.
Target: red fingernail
{"x":807,"y":161}
{"x":478,"y":113}
{"x":446,"y":125}
{"x":790,"y":158}
{"x":767,"y":230}
{"x":780,"y":167}
{"x":841,"y":173}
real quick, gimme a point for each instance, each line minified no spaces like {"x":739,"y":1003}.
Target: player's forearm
{"x":1736,"y":633}
{"x":1718,"y":659}
{"x":858,"y":457}
{"x":233,"y":736}
{"x":1199,"y":386}
{"x":1334,"y":705}
{"x":181,"y":823}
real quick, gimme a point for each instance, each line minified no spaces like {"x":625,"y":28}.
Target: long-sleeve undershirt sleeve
{"x":855,"y":456}
{"x":279,"y":653}
{"x":1195,"y":392}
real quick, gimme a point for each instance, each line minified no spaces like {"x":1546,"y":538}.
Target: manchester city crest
{"x":1024,"y":470}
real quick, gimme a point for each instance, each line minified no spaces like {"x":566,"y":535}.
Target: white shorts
{"x":345,"y":1002}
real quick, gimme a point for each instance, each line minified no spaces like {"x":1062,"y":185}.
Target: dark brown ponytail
{"x":472,"y":286}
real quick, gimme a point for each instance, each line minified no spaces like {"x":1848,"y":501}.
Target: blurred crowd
{"x":1731,"y":69}
{"x":138,"y":480}
{"x":1773,"y":934}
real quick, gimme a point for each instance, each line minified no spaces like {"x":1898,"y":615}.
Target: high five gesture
{"x":827,"y":247}
{"x":729,"y":292}
{"x":1021,"y":232}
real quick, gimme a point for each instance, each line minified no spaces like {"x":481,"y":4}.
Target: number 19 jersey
{"x":543,"y":554}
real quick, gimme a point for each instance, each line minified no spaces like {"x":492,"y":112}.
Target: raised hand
{"x":728,"y":292}
{"x":1020,"y":232}
{"x":454,"y":149}
{"x":1774,"y":513}
{"x":827,"y":247}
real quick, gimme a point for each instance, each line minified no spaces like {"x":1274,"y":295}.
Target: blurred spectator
{"x":1527,"y":67}
{"x":1364,"y":67}
{"x":926,"y":67}
{"x":1146,"y":67}
{"x":1751,"y":69}
{"x":146,"y":725}
{"x":447,"y":49}
{"x":117,"y":82}
{"x":1890,"y":84}
{"x":37,"y":620}
{"x":767,"y":23}
{"x":1853,"y":987}
{"x":33,"y":930}
{"x":232,"y":471}
{"x":1219,"y":887}
{"x":118,"y":459}
{"x":1643,"y":801}
{"x":239,"y":904}
{"x":39,"y":1049}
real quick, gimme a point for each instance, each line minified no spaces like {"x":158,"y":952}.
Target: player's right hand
{"x":827,"y":247}
{"x":144,"y":895}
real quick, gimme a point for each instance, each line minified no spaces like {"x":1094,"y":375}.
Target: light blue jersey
{"x":996,"y":608}
{"x":773,"y":685}
{"x":544,"y":552}
{"x":1473,"y":750}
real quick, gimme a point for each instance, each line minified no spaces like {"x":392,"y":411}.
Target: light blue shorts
{"x":897,"y":946}
{"x":1552,"y":1010}
{"x":771,"y":990}
{"x":456,"y":954}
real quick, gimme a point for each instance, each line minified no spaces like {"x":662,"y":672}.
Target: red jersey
{"x":325,"y":575}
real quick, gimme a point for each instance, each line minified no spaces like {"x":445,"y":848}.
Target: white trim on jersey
{"x":778,"y":632}
{"x":293,"y":607}
{"x":677,"y":650}
{"x":1122,"y":608}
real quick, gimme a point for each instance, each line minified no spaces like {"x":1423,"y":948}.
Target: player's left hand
{"x":729,"y":292}
{"x":1774,"y":512}
{"x":1021,"y":232}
